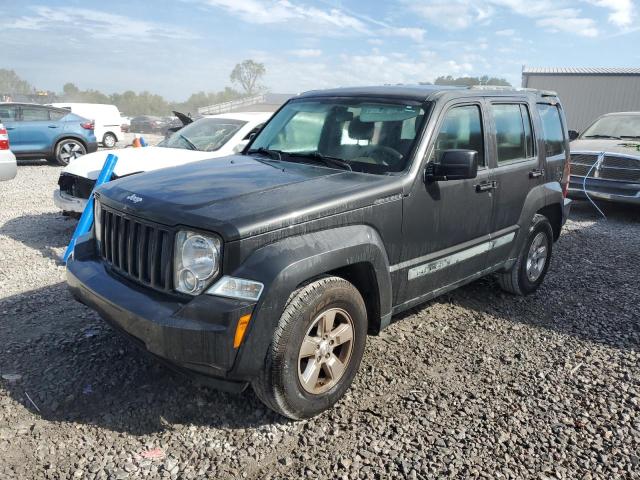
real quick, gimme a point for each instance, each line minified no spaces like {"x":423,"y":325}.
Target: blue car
{"x":36,"y":131}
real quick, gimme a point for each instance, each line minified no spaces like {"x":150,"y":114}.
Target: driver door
{"x":446,"y":224}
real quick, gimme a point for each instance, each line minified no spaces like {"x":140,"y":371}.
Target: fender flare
{"x":284,"y":265}
{"x":538,"y":198}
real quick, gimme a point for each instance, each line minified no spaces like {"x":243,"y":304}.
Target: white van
{"x":107,"y":118}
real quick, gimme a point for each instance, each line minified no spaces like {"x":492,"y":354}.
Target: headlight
{"x":196,"y":261}
{"x":97,"y":221}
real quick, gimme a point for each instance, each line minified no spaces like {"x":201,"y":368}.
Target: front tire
{"x":67,"y":150}
{"x":528,"y":273}
{"x":109,"y":140}
{"x":316,"y":349}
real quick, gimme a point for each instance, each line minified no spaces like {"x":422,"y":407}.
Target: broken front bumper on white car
{"x":67,"y":203}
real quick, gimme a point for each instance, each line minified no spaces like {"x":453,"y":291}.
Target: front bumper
{"x":609,"y":190}
{"x":194,"y":336}
{"x":67,"y":203}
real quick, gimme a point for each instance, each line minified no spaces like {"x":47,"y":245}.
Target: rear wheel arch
{"x":553,"y":213}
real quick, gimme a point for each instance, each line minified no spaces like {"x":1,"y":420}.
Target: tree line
{"x":246,"y":75}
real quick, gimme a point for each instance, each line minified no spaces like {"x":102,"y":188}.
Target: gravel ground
{"x":477,"y":384}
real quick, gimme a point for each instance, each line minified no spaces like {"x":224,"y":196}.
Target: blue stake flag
{"x":86,"y":220}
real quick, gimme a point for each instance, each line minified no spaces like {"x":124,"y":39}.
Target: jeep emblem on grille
{"x":134,"y":198}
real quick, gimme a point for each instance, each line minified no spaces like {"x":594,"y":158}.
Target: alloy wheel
{"x":70,"y":151}
{"x":325,"y":351}
{"x":537,"y":257}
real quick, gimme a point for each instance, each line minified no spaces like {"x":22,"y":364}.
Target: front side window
{"x":205,"y":135}
{"x":35,"y":114}
{"x":367,"y":136}
{"x":552,"y":129}
{"x":461,"y":129}
{"x":8,"y":113}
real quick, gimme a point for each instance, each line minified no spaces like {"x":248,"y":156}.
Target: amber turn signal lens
{"x":243,"y":323}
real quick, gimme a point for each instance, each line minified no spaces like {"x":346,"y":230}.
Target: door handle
{"x":53,"y":126}
{"x":536,"y":173}
{"x":486,"y":186}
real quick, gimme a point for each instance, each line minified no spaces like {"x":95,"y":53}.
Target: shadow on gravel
{"x":44,"y":232}
{"x":583,"y":210}
{"x":76,"y":369}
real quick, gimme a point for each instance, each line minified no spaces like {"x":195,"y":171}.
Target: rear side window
{"x":57,"y":114}
{"x":461,"y":129}
{"x":513,"y":132}
{"x":34,"y":114}
{"x":552,"y":129}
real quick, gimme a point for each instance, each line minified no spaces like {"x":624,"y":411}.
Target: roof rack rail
{"x":543,"y":93}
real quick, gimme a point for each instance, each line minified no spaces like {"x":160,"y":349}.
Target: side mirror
{"x":573,"y":134}
{"x":454,"y":165}
{"x":240,"y":146}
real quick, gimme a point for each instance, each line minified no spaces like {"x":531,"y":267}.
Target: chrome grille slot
{"x":138,"y":250}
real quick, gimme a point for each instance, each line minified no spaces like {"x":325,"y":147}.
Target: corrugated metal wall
{"x":586,"y":97}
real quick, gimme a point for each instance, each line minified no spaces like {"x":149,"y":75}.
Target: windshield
{"x":205,"y":135}
{"x":372,"y":137}
{"x":615,"y":126}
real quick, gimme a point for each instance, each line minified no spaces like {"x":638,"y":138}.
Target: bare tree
{"x":247,"y":75}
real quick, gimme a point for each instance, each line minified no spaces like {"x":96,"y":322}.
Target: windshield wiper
{"x":189,"y":142}
{"x":275,"y":154}
{"x":328,"y":161}
{"x":630,"y":136}
{"x":602,"y":136}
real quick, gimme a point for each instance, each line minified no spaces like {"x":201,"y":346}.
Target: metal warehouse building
{"x":587,"y":93}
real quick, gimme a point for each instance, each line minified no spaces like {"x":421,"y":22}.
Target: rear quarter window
{"x":552,"y":129}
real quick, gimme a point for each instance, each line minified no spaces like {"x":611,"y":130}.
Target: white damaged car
{"x":209,"y":137}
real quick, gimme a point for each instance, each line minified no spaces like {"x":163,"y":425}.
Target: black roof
{"x":421,"y":92}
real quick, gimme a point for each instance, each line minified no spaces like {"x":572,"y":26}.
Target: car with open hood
{"x":270,"y":268}
{"x":208,"y":137}
{"x":605,"y":159}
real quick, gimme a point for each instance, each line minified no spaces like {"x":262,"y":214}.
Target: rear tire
{"x":109,"y":140}
{"x":316,"y":349}
{"x":528,"y":273}
{"x":67,"y":150}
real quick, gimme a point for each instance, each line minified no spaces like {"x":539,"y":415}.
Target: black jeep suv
{"x":271,"y":267}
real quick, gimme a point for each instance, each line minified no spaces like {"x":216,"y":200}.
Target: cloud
{"x":622,"y":14}
{"x":313,"y":20}
{"x":451,"y":15}
{"x":556,"y":15}
{"x":415,"y":34}
{"x":281,"y":11}
{"x":94,"y":23}
{"x":509,"y":32}
{"x":306,"y":52}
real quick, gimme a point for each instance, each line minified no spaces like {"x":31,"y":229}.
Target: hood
{"x":240,"y":196}
{"x":626,"y":147}
{"x":133,"y":160}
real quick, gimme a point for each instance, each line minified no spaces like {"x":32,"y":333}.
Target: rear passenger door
{"x":36,"y":131}
{"x":516,"y":169}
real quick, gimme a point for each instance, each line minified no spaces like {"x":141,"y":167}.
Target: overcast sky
{"x":177,"y":47}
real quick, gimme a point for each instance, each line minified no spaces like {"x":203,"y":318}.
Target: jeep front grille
{"x":613,"y":167}
{"x":138,"y":250}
